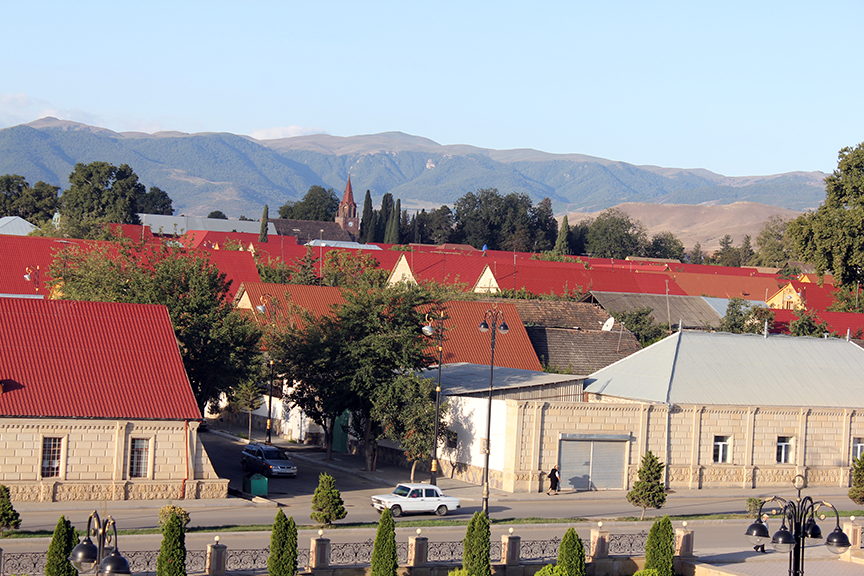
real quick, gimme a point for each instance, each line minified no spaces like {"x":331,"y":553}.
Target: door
{"x":592,"y":464}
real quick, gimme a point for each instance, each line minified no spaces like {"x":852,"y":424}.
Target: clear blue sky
{"x":739,"y":88}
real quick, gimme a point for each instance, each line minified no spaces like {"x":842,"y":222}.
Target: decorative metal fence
{"x":627,"y":544}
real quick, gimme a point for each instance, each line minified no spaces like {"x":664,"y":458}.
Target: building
{"x":95,"y":405}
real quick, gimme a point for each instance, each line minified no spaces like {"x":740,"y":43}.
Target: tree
{"x":156,"y":201}
{"x":305,"y":270}
{"x":660,"y":548}
{"x":773,"y":245}
{"x":349,"y":270}
{"x":745,"y":251}
{"x":327,"y":504}
{"x":476,"y":546}
{"x":478,"y":217}
{"x":728,"y":255}
{"x":641,"y":323}
{"x":218,"y":215}
{"x":666,"y":245}
{"x":382,"y":218}
{"x":856,"y":492}
{"x":614,"y":235}
{"x":172,"y":553}
{"x":439,"y":226}
{"x":649,"y":490}
{"x":99,"y":193}
{"x":282,"y":560}
{"x":562,"y":243}
{"x":36,"y":205}
{"x":542,"y":225}
{"x":265,"y":223}
{"x":219,"y":345}
{"x":62,"y":542}
{"x":391,"y":235}
{"x":246,"y":397}
{"x":367,"y":221}
{"x":317,"y":204}
{"x":696,"y":255}
{"x":832,"y":237}
{"x":9,"y":518}
{"x":808,"y":324}
{"x":385,"y":560}
{"x":571,"y":555}
{"x":743,"y":318}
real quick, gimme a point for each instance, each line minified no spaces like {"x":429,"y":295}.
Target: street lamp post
{"x":103,"y":557}
{"x":435,"y":322}
{"x":32,"y":275}
{"x":800,"y":515}
{"x":493,"y":319}
{"x":270,"y":405}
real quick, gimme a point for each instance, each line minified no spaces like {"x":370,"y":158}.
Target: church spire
{"x":346,"y":215}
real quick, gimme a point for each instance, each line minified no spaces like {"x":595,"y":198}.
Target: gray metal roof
{"x":693,"y":367}
{"x":15,"y":226}
{"x":161,"y":224}
{"x":691,"y":311}
{"x":464,"y":378}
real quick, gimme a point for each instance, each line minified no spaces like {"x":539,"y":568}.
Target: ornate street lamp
{"x":493,"y":319}
{"x":32,"y":275}
{"x":104,"y":557}
{"x":435,"y":323}
{"x":798,"y":522}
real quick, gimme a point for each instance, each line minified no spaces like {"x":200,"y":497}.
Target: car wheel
{"x":441,"y":510}
{"x":396,"y":511}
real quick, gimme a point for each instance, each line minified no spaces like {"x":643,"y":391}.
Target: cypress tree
{"x":367,"y":221}
{"x":384,"y":556}
{"x":172,"y":553}
{"x":571,"y":555}
{"x":382,"y":219}
{"x":9,"y":518}
{"x":475,"y":556}
{"x":392,"y":235}
{"x":660,"y":548}
{"x":562,"y":243}
{"x":283,"y":547}
{"x":648,"y":491}
{"x":64,"y":540}
{"x":262,"y":236}
{"x":327,"y":504}
{"x":856,"y":492}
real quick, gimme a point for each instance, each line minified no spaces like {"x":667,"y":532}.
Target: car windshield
{"x":401,"y":490}
{"x":274,"y":455}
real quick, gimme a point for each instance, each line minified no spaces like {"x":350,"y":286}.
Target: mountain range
{"x":238,"y":174}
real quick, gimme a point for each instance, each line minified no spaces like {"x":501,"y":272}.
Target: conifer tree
{"x":9,"y":518}
{"x":392,"y":234}
{"x":571,"y":555}
{"x":283,"y":547}
{"x":660,"y":548}
{"x":265,"y":220}
{"x":475,"y":556}
{"x":172,"y":553}
{"x":367,"y":221}
{"x":562,"y":243}
{"x":62,"y":542}
{"x":384,"y":556}
{"x":382,"y":218}
{"x":856,"y":492}
{"x":327,"y":504}
{"x":648,"y":491}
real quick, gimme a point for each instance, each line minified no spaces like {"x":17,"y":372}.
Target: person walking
{"x":554,"y":481}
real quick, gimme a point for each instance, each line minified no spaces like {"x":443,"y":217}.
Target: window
{"x":431,"y":493}
{"x":784,"y":449}
{"x":51,"y":457}
{"x":138,"y":456}
{"x":452,"y":439}
{"x":857,"y":447}
{"x":721,"y":449}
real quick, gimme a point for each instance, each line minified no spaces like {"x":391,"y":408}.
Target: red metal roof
{"x":18,"y":253}
{"x":756,"y":288}
{"x":68,"y":359}
{"x":237,"y":265}
{"x":838,"y":322}
{"x":282,"y":301}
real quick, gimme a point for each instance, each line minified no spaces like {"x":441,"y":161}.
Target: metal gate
{"x":593,"y":461}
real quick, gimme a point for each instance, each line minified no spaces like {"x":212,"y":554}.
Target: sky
{"x":738,"y":88}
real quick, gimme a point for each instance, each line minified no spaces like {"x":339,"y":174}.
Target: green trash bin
{"x":255,"y":484}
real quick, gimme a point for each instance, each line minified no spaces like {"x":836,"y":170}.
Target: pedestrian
{"x":554,"y":480}
{"x":761,"y":547}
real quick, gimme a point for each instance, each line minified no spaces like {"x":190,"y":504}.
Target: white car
{"x":407,"y":498}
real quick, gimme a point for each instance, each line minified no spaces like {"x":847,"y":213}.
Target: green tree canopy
{"x":317,"y":204}
{"x":562,"y":242}
{"x":367,"y":221}
{"x":217,"y":215}
{"x":649,"y":490}
{"x":641,"y":323}
{"x":666,"y":245}
{"x":832,"y":237}
{"x":742,"y":317}
{"x":265,"y":220}
{"x":63,"y":541}
{"x":327,"y":504}
{"x":613,"y":234}
{"x":219,"y":346}
{"x":155,"y":201}
{"x":773,"y":245}
{"x":36,"y":205}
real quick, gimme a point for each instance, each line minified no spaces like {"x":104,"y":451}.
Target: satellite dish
{"x":607,"y":326}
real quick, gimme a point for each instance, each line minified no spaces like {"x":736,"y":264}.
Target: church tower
{"x":346,"y":215}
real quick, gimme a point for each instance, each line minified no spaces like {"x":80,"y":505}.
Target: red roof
{"x":18,"y":253}
{"x":348,"y":196}
{"x":68,"y":359}
{"x":756,"y":288}
{"x":838,"y":322}
{"x":237,"y":265}
{"x":448,"y":268}
{"x":281,"y":301}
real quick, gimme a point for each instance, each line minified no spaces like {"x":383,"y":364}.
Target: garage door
{"x":593,"y":462}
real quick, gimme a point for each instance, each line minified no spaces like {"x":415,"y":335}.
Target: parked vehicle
{"x":409,"y":498}
{"x":268,"y":460}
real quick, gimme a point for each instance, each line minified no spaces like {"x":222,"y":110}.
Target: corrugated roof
{"x":581,"y":351}
{"x":466,"y":378}
{"x":18,"y":253}
{"x":691,"y":311}
{"x":282,"y":302}
{"x":177,"y":225}
{"x":237,"y":265}
{"x":716,"y":368}
{"x":756,"y":287}
{"x":68,"y":359}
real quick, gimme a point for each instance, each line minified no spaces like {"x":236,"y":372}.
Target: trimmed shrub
{"x":476,"y":546}
{"x":660,"y":548}
{"x":384,"y":556}
{"x":647,"y":572}
{"x":9,"y":518}
{"x":283,"y":547}
{"x":548,"y":570}
{"x":571,"y":555}
{"x":856,"y":492}
{"x":169,"y":510}
{"x":172,"y":553}
{"x":327,"y":504}
{"x":62,"y":542}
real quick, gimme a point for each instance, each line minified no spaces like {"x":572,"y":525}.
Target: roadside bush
{"x":660,"y":548}
{"x":475,"y":555}
{"x":547,"y":570}
{"x":9,"y":518}
{"x":753,"y":505}
{"x":62,"y":542}
{"x":647,"y":572}
{"x":327,"y":504}
{"x":384,"y":556}
{"x":283,"y":547}
{"x":169,"y":510}
{"x":571,"y":555}
{"x":172,"y":553}
{"x":856,"y":492}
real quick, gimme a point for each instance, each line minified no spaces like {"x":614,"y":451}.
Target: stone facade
{"x":95,"y":461}
{"x":818,"y":443}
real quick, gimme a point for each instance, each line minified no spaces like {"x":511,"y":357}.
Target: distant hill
{"x":700,"y":223}
{"x":238,"y":174}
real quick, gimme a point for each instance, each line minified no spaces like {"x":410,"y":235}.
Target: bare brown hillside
{"x":698,"y":223}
